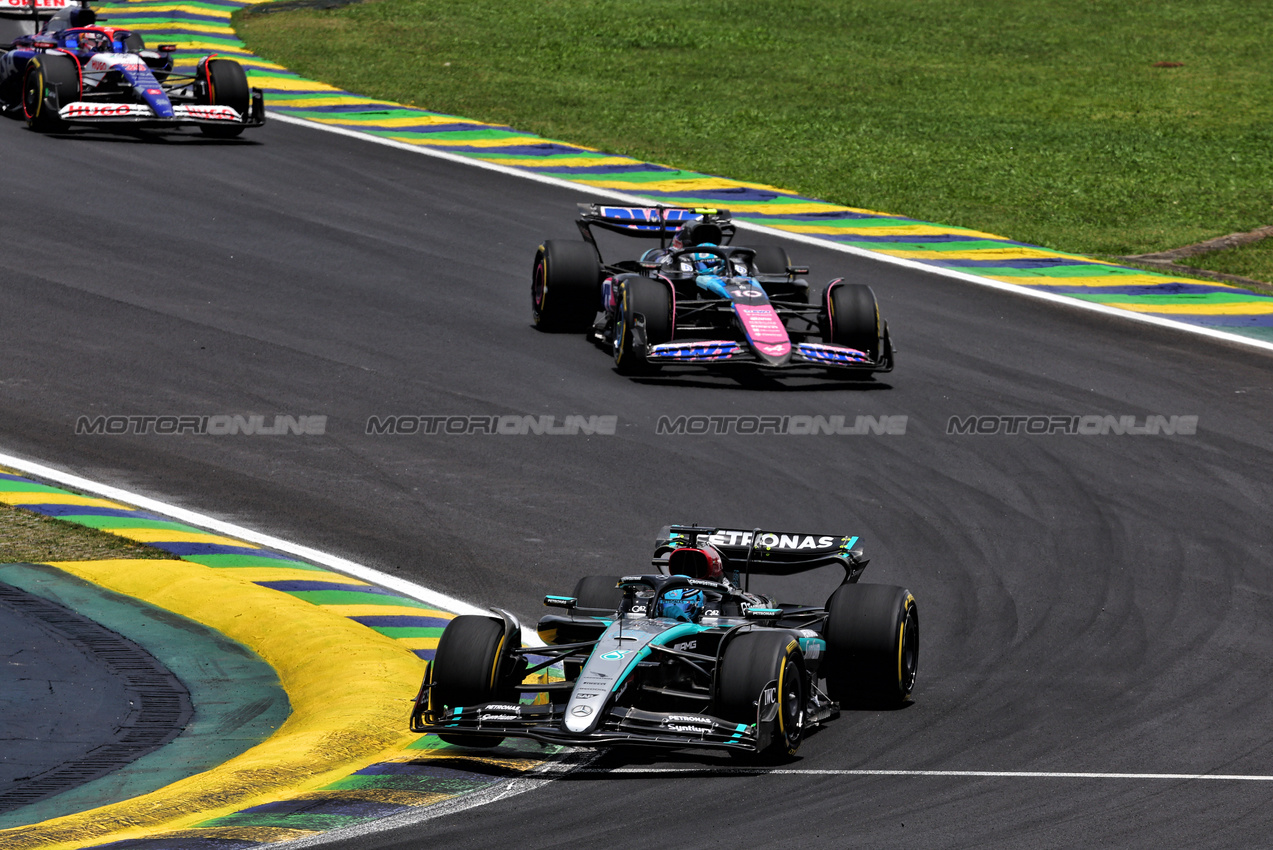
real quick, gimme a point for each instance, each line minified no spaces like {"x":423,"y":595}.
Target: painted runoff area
{"x":346,"y":643}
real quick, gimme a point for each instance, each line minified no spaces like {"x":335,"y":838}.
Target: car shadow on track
{"x":168,"y":137}
{"x":755,"y":381}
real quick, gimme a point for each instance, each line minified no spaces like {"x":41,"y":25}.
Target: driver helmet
{"x":697,"y":233}
{"x":696,"y":562}
{"x":95,"y":42}
{"x":684,"y":604}
{"x":709,"y":264}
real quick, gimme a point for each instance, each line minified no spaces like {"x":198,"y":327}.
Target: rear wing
{"x":657,"y":222}
{"x":33,"y":9}
{"x":26,"y":17}
{"x":771,"y":553}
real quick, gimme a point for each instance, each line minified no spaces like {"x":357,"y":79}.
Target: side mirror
{"x":754,"y":613}
{"x":566,"y":602}
{"x":797,"y":270}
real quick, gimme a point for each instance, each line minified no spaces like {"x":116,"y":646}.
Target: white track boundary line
{"x":305,"y":553}
{"x":972,"y":774}
{"x":1062,"y":300}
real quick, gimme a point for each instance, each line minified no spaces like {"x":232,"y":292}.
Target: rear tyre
{"x":652,"y":300}
{"x":565,"y":286}
{"x":872,"y":637}
{"x":853,"y":318}
{"x":51,"y":81}
{"x":751,"y":662}
{"x":222,"y":82}
{"x":602,"y":592}
{"x":472,"y":665}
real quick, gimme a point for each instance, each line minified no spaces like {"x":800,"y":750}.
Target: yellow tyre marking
{"x":901,"y":635}
{"x":782,"y":672}
{"x":499,"y":652}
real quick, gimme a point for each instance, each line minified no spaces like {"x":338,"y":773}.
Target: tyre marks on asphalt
{"x":197,"y":28}
{"x":349,"y":656}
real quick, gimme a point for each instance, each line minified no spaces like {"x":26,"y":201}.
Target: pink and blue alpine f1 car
{"x":697,"y":300}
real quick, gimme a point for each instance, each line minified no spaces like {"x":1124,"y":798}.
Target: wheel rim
{"x":908,"y":658}
{"x":31,"y":94}
{"x":537,"y":287}
{"x":621,"y":326}
{"x":792,"y":708}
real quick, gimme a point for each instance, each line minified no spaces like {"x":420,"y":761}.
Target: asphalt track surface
{"x":1098,"y":605}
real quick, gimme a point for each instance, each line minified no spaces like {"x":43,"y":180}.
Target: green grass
{"x":26,"y":536}
{"x":1041,"y":120}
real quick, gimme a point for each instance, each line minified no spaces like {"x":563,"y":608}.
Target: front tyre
{"x":51,"y":81}
{"x":872,"y":636}
{"x":650,"y":301}
{"x":222,"y":82}
{"x":565,"y":289}
{"x":853,"y":317}
{"x":772,"y":259}
{"x":762,"y":674}
{"x":473,"y":665}
{"x":599,"y":592}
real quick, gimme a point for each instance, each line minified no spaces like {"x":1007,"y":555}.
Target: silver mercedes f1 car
{"x":685,"y":656}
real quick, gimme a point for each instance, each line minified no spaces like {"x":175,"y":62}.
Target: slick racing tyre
{"x":222,"y":82}
{"x":752,"y":663}
{"x":599,"y":592}
{"x":51,"y":81}
{"x":853,"y":317}
{"x":652,"y":300}
{"x":565,"y":284}
{"x":772,"y":259}
{"x":872,"y":636}
{"x":473,"y":665}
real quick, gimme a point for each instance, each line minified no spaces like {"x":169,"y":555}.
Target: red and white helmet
{"x":696,"y":562}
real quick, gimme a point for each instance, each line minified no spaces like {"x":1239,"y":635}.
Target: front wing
{"x":723,"y":351}
{"x":622,"y":725}
{"x":140,"y":114}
